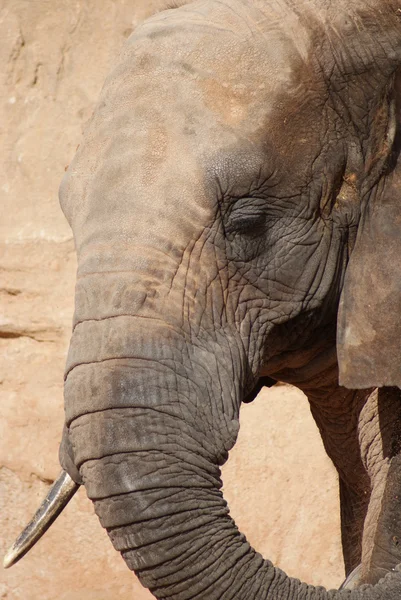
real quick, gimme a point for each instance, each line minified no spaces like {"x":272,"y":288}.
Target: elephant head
{"x":238,"y":175}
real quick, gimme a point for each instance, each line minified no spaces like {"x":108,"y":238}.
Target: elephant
{"x":236,"y":210}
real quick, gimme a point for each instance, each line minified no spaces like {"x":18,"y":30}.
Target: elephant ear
{"x":369,"y":320}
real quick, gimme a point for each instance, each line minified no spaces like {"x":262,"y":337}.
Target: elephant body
{"x":223,"y":201}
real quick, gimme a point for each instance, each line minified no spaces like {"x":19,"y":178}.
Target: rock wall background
{"x":280,"y":485}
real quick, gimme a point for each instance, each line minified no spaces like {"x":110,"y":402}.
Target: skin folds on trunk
{"x":149,"y":447}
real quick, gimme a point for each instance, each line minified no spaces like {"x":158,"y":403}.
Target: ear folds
{"x":369,"y":320}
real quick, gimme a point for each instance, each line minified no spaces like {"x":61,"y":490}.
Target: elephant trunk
{"x":149,"y":442}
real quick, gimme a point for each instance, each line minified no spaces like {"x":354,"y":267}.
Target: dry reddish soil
{"x":280,"y":485}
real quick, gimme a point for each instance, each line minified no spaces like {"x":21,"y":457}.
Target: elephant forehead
{"x":227,"y":59}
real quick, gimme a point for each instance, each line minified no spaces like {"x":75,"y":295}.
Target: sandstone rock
{"x":281,"y":487}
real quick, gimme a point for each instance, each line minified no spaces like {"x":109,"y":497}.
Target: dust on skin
{"x":156,"y":149}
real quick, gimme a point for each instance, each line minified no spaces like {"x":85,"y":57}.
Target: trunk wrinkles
{"x":149,"y":442}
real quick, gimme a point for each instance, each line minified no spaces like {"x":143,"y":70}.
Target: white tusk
{"x":353,"y":579}
{"x":56,"y":500}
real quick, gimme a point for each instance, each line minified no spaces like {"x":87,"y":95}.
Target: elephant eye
{"x":247,"y":217}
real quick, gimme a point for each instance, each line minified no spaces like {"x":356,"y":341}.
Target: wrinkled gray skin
{"x":235,"y":152}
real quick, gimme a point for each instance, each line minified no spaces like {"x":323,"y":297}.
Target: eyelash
{"x":249,"y":224}
{"x":239,"y":223}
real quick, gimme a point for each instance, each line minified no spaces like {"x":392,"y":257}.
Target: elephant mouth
{"x":302,"y":366}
